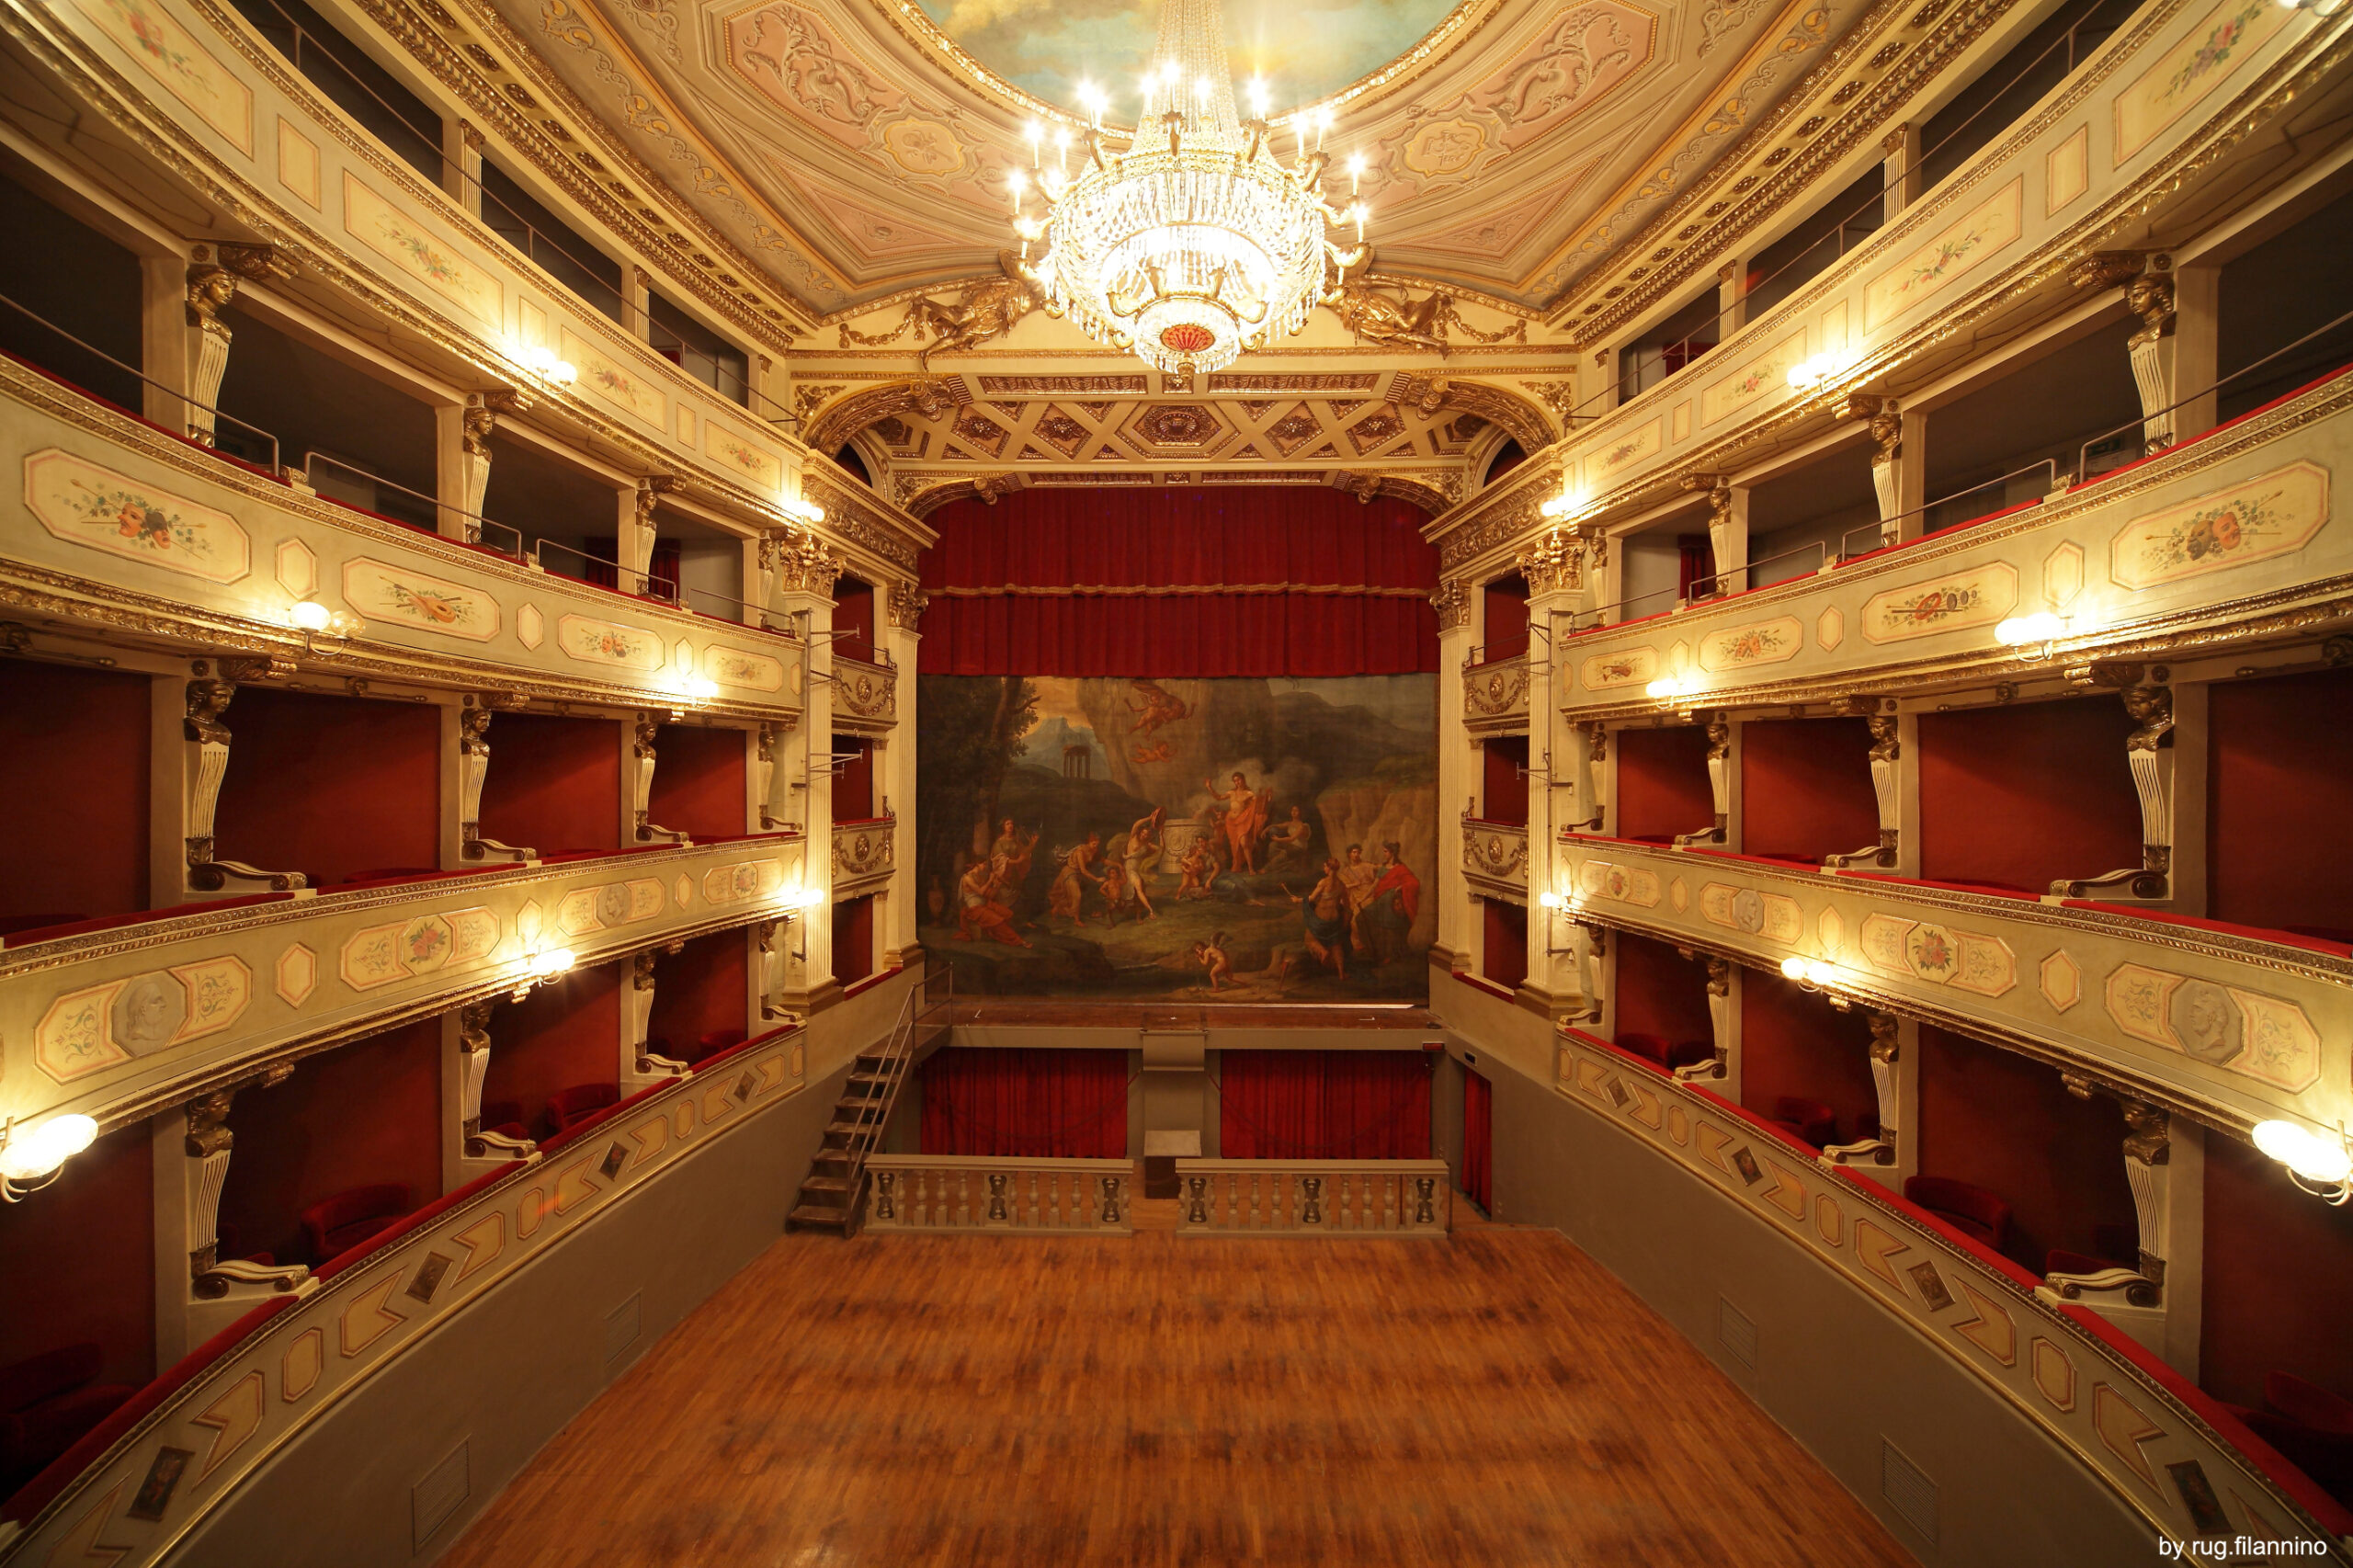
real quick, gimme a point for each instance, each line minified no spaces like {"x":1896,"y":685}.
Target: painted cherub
{"x":1211,"y":955}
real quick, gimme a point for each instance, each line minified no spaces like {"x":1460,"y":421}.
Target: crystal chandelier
{"x":1194,"y":242}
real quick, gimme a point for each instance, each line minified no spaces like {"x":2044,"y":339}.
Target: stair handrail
{"x":900,"y":1045}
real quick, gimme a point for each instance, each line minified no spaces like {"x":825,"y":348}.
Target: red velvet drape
{"x":1247,"y":581}
{"x":1324,"y":1105}
{"x":1479,"y":1142}
{"x":1035,"y":1104}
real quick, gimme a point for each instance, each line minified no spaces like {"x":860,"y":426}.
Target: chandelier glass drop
{"x":1195,"y":243}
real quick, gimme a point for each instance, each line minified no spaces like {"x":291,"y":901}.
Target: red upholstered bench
{"x":712,"y":1044}
{"x":1971,"y":1211}
{"x":47,"y":1402}
{"x":1808,"y":1119}
{"x":580,"y":1102}
{"x":2313,"y":1429}
{"x":503,"y":1118}
{"x":352,"y":1218}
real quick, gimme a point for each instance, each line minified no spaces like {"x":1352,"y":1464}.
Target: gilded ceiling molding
{"x":768,"y":324}
{"x":927,"y":397}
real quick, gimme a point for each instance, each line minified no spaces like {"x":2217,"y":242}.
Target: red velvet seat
{"x":352,"y":1218}
{"x":503,"y":1118}
{"x":2114,"y":1247}
{"x":580,"y":1102}
{"x":47,"y":1402}
{"x":712,"y":1044}
{"x":1981,"y":1215}
{"x":1649,"y":1047}
{"x":1810,"y":1120}
{"x":2313,"y":1429}
{"x":1689,"y":1052}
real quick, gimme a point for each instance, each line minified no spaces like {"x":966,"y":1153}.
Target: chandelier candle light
{"x":1195,"y":243}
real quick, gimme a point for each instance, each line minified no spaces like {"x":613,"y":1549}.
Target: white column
{"x":462,"y":163}
{"x":1901,"y":169}
{"x":1458,"y":775}
{"x":639,"y":1065}
{"x":2196,"y":303}
{"x":164,"y":349}
{"x":1732,"y":297}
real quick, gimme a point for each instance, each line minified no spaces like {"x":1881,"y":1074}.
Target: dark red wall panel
{"x":79,"y":1259}
{"x":2020,"y":796}
{"x":1806,"y":787}
{"x":698,"y":780}
{"x":77,"y":743}
{"x":554,"y":784}
{"x":1999,"y":1121}
{"x":334,"y":786}
{"x":1663,"y":782}
{"x":567,"y":1033}
{"x":360,"y":1114}
{"x":2281,"y":780}
{"x":1793,"y":1043}
{"x":1503,"y":954}
{"x":2279,"y":1272}
{"x":1660,"y":992}
{"x":700,"y":989}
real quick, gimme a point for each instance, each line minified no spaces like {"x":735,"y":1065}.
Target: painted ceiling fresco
{"x":858,"y":149}
{"x":1305,"y":49}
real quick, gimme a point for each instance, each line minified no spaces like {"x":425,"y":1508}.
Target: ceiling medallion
{"x":1195,"y":243}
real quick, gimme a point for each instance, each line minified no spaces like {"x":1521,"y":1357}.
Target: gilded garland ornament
{"x":1194,"y":242}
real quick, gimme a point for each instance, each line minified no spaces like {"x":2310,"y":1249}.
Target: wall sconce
{"x":2318,"y":1164}
{"x":1553,"y":904}
{"x":30,"y":1157}
{"x":1812,"y":974}
{"x":702,"y":689}
{"x":310,"y":617}
{"x":807,"y":511}
{"x":2022,"y":629}
{"x":1812,"y":372}
{"x":542,"y":967}
{"x":1668,"y":689}
{"x":543,"y":364}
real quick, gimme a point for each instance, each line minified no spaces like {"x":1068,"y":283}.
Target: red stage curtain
{"x":1324,"y":1105}
{"x":1479,"y":1142}
{"x":1249,"y":580}
{"x":1033,"y":1104}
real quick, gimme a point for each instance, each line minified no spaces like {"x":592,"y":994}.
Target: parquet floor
{"x":894,"y":1402}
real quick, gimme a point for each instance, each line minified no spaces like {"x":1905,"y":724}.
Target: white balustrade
{"x":970,"y":1192}
{"x":1314,"y":1197}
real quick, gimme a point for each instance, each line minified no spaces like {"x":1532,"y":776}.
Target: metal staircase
{"x":830,"y":1193}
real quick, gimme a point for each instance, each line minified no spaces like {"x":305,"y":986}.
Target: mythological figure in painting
{"x":1244,"y":821}
{"x":982,"y":910}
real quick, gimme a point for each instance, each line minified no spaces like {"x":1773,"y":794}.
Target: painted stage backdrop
{"x":1238,"y":840}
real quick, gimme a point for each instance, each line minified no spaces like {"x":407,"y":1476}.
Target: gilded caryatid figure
{"x":987,"y":309}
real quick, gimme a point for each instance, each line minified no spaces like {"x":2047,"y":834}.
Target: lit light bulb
{"x":1258,"y":97}
{"x":32,"y":1152}
{"x":1356,"y":174}
{"x":1549,"y":900}
{"x":701,"y":688}
{"x":549,"y":964}
{"x":2316,"y":1159}
{"x":1794,"y":969}
{"x":2039,"y":627}
{"x":309,"y":615}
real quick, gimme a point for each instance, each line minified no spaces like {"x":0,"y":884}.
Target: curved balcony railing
{"x":866,"y":695}
{"x":2228,"y":536}
{"x":116,"y":1018}
{"x":1495,"y":696}
{"x":2174,"y":92}
{"x":128,"y":527}
{"x":2229,"y":1024}
{"x":1495,"y":858}
{"x":2171,"y":1454}
{"x":264,"y":1381}
{"x":865,"y":854}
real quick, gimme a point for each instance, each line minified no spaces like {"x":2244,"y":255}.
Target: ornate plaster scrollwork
{"x":805,"y":564}
{"x":643,"y":756}
{"x":1886,"y":751}
{"x":209,"y":1145}
{"x":1404,"y":322}
{"x":208,"y":738}
{"x":1594,"y":772}
{"x":476,"y":422}
{"x":2150,"y":759}
{"x":1553,"y":565}
{"x":1887,"y":454}
{"x":764,"y":773}
{"x":1886,"y":1054}
{"x":1453,"y":602}
{"x":473,"y":1067}
{"x":2148,"y":290}
{"x":908,"y":601}
{"x":986,"y":309}
{"x":2148,"y":1169}
{"x":1724,"y":538}
{"x":1720,"y":1006}
{"x":770,"y":934}
{"x":1719,"y":728}
{"x":639,"y":1001}
{"x":210,"y":290}
{"x":473,"y":770}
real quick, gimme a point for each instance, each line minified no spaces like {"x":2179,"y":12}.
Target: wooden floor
{"x":901,"y":1401}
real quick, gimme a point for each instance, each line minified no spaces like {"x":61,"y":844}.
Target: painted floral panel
{"x":608,"y":643}
{"x":746,"y":460}
{"x":425,"y":256}
{"x":99,"y":1027}
{"x":2271,"y":516}
{"x":1767,"y":642}
{"x":168,"y":52}
{"x":1767,"y":376}
{"x":1979,"y":596}
{"x":86,"y":504}
{"x":1619,"y":454}
{"x":615,"y":382}
{"x":2218,"y":45}
{"x":381,"y":591}
{"x":733,"y":667}
{"x":1988,"y":230}
{"x":1630,"y":666}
